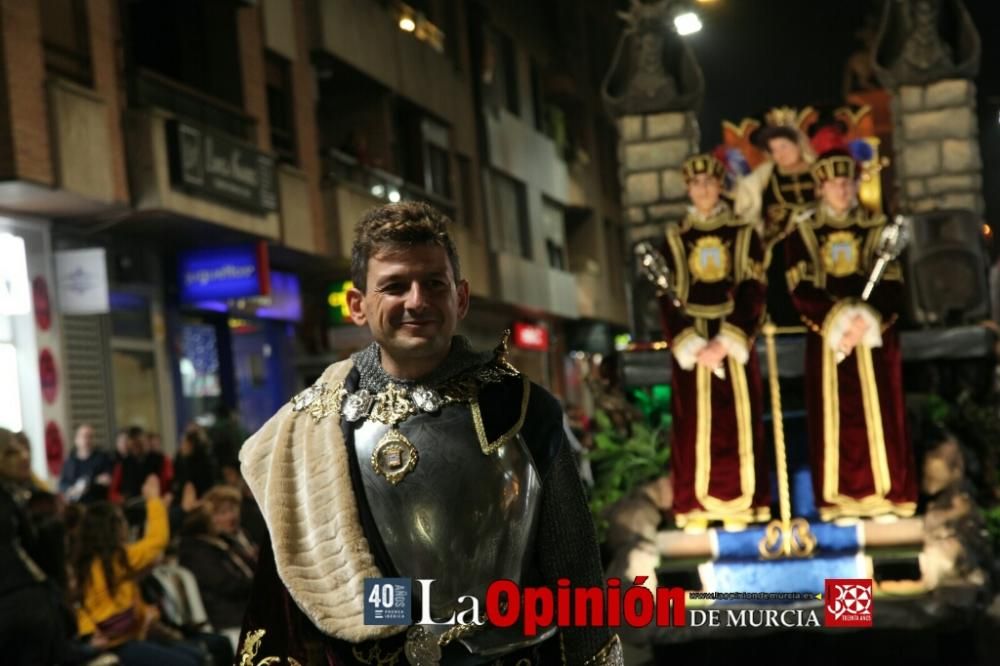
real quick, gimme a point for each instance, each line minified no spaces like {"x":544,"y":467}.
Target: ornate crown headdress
{"x":703,"y":163}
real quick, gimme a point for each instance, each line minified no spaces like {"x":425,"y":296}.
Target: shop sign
{"x":337,"y":310}
{"x":285,"y":302}
{"x":82,"y":281}
{"x":531,"y":336}
{"x":210,"y":164}
{"x":224,"y":273}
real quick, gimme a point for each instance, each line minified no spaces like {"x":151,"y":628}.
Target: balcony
{"x":152,"y":90}
{"x":352,"y":188}
{"x":161,"y":181}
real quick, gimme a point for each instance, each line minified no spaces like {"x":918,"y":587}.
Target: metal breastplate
{"x":459,"y":516}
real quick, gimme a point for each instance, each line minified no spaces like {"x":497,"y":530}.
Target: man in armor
{"x":860,"y":453}
{"x":421,"y":458}
{"x":719,"y":457}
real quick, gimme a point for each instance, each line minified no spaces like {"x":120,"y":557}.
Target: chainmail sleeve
{"x":567,"y":542}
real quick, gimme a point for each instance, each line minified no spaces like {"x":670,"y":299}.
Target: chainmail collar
{"x":461,"y":358}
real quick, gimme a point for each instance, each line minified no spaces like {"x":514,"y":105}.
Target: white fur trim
{"x":748,"y":195}
{"x":297,"y":468}
{"x":735,"y":346}
{"x":686,"y":352}
{"x":842,"y":321}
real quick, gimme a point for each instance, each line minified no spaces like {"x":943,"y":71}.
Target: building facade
{"x":216,"y":155}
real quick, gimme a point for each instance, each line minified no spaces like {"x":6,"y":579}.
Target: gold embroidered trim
{"x":831,"y":428}
{"x":812,"y":248}
{"x":741,"y":254}
{"x":487,"y":446}
{"x":713,"y":311}
{"x":251,"y":645}
{"x":392,"y":405}
{"x":609,"y":655}
{"x":760,"y":514}
{"x":868,"y":507}
{"x":679,"y":255}
{"x":374,"y":656}
{"x":795,"y":275}
{"x":873,"y":418}
{"x":744,"y":438}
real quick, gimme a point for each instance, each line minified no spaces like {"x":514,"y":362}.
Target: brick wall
{"x":104,"y":37}
{"x":306,"y":132}
{"x":25,"y":152}
{"x":251,"y":40}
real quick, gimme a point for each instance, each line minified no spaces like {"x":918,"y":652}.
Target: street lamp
{"x":687,"y":23}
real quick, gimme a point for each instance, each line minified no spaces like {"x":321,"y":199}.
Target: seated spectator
{"x":175,"y":592}
{"x":111,"y":612}
{"x":220,"y":557}
{"x":36,"y":482}
{"x":32,"y":625}
{"x":86,"y":474}
{"x":131,"y":472}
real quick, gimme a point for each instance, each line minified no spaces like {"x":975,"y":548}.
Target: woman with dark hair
{"x":111,"y":611}
{"x":31,"y":626}
{"x":220,"y":558}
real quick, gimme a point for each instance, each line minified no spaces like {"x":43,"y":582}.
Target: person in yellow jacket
{"x":111,"y":612}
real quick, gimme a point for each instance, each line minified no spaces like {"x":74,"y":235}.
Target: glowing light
{"x":10,"y":394}
{"x":15,"y":288}
{"x":687,"y":23}
{"x":987,"y":231}
{"x":407,"y":24}
{"x":378,"y":191}
{"x":394,"y":196}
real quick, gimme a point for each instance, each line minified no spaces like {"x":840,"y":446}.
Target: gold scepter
{"x":786,"y":537}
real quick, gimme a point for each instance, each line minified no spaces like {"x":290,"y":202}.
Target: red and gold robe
{"x":860,"y":452}
{"x":719,"y":458}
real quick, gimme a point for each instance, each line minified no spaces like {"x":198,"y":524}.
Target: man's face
{"x":784,"y":152}
{"x":84,"y":440}
{"x":704,"y":192}
{"x":412,"y":304}
{"x":839,"y":193}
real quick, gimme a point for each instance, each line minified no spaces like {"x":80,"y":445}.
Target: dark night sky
{"x":756,"y":54}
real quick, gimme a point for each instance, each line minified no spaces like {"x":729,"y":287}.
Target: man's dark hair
{"x":396,"y":227}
